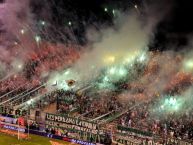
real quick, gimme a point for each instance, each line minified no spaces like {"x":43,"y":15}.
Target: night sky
{"x":175,"y":29}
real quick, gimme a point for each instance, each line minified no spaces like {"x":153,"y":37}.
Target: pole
{"x":28,"y":124}
{"x":18,"y":129}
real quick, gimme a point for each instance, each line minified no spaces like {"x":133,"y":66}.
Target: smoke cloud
{"x":16,"y":28}
{"x":120,"y":44}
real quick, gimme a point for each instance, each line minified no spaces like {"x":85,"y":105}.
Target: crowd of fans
{"x":172,"y":124}
{"x":66,"y":101}
{"x":101,"y":106}
{"x":21,"y":86}
{"x":139,"y":117}
{"x":32,"y":73}
{"x":46,"y":100}
{"x":86,"y":106}
{"x":38,"y":62}
{"x":50,"y":57}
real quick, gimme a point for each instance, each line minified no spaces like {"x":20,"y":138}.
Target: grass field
{"x":34,"y":140}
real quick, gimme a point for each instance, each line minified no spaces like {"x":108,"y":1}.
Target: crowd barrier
{"x":15,"y":128}
{"x":121,"y":135}
{"x":49,"y":135}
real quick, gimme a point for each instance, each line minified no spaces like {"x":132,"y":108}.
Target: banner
{"x":124,"y":136}
{"x":81,"y":142}
{"x":127,"y":135}
{"x":72,"y":123}
{"x":127,"y":140}
{"x":8,"y":119}
{"x":12,"y":127}
{"x":134,"y":132}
